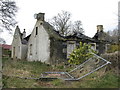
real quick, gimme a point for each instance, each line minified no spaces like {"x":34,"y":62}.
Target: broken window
{"x":107,"y":47}
{"x":30,"y":49}
{"x":64,"y":50}
{"x":71,"y":45}
{"x":77,"y":45}
{"x":13,"y":52}
{"x":93,"y":46}
{"x":36,"y":30}
{"x":64,"y":45}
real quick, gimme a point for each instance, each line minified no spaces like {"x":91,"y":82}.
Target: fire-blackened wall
{"x":56,"y":51}
{"x":101,"y":48}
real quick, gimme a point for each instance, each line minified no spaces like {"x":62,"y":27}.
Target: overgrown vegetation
{"x":13,"y":69}
{"x":80,"y":54}
{"x":6,"y":52}
{"x":113,"y":48}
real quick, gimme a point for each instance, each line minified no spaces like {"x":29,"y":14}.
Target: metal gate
{"x":86,"y":68}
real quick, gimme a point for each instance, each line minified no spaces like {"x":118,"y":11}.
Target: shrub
{"x":80,"y":54}
{"x":113,"y":48}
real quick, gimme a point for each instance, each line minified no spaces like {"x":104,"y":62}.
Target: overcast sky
{"x":90,"y":12}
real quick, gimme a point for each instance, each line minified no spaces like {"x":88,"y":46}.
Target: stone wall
{"x":56,"y":51}
{"x":114,"y":59}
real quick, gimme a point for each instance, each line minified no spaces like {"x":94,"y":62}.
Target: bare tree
{"x":77,"y":27}
{"x":109,"y":32}
{"x":114,"y":34}
{"x":62,"y":22}
{"x":8,"y":11}
{"x":2,"y":41}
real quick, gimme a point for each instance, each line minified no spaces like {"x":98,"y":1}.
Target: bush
{"x":113,"y":48}
{"x":6,"y":52}
{"x":80,"y":54}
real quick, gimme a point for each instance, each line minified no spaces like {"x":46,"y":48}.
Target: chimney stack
{"x":24,"y":34}
{"x":39,"y":16}
{"x":99,"y":28}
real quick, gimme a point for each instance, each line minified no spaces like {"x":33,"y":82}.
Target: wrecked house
{"x":72,"y":41}
{"x":19,"y":44}
{"x":45,"y":44}
{"x":102,"y":39}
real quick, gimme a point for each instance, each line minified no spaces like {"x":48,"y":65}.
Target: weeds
{"x":34,"y":69}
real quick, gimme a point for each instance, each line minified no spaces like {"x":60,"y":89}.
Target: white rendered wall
{"x":40,"y":45}
{"x":17,"y":44}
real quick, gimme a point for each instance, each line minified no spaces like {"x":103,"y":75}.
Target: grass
{"x":24,"y":67}
{"x":13,"y":82}
{"x":109,"y":80}
{"x":12,"y":69}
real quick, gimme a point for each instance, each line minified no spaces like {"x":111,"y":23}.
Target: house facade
{"x":45,"y":44}
{"x":43,"y":41}
{"x":19,"y":46}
